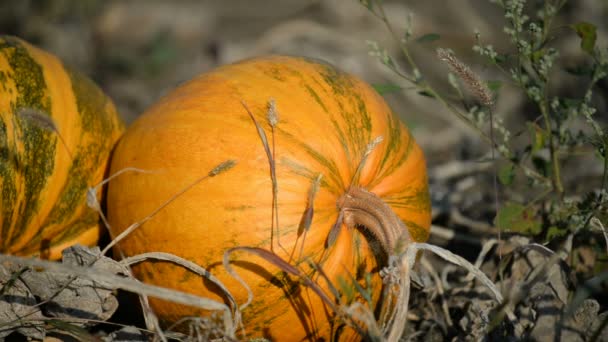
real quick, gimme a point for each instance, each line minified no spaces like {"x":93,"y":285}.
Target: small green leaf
{"x":383,"y":89}
{"x":571,"y":103}
{"x":537,"y":136}
{"x":537,"y":55}
{"x":347,"y":289}
{"x":588,"y":34}
{"x":555,"y":232}
{"x":501,"y":58}
{"x":514,"y":217}
{"x":542,"y":165}
{"x":367,"y":4}
{"x":579,"y":70}
{"x":506,"y":174}
{"x":426,"y":93}
{"x":431,"y":37}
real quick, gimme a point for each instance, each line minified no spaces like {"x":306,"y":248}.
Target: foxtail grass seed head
{"x":372,"y":145}
{"x":273,"y":113}
{"x":227,"y":165}
{"x":477,"y":87}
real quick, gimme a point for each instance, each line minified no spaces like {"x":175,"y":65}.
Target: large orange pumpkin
{"x":57,"y":129}
{"x":326,"y":120}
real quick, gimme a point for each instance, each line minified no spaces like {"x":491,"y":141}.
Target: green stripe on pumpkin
{"x":315,"y":96}
{"x":36,"y":158}
{"x":357,"y":133}
{"x":331,"y":169}
{"x":418,"y":233}
{"x":72,"y":193}
{"x":419,"y":200}
{"x":9,"y":190}
{"x":90,"y":100}
{"x":8,"y":160}
{"x":91,"y":103}
{"x":392,"y":143}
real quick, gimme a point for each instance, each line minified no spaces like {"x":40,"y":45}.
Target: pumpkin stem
{"x":364,"y":209}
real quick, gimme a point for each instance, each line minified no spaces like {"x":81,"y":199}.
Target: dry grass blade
{"x":92,"y":191}
{"x":42,"y":121}
{"x":308,"y":214}
{"x":11,"y":281}
{"x":150,"y":318}
{"x":92,"y":201}
{"x":283,"y":265}
{"x":222,"y":167}
{"x":397,"y":321}
{"x":335,"y":229}
{"x":318,"y":268}
{"x":460,"y":261}
{"x":537,"y":247}
{"x":112,"y":281}
{"x":79,"y":333}
{"x":444,"y":306}
{"x":485,"y":249}
{"x":190,"y":266}
{"x":361,"y":313}
{"x":273,"y":176}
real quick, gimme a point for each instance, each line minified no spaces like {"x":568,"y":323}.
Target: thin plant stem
{"x":495,"y":185}
{"x":557,"y":183}
{"x":425,"y":87}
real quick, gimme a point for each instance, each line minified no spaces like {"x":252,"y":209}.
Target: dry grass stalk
{"x":92,"y":201}
{"x":485,"y":249}
{"x":222,"y":167}
{"x":190,"y":266}
{"x":361,"y":313}
{"x":273,"y":113}
{"x":272,"y":116}
{"x":308,"y":214}
{"x":150,"y":317}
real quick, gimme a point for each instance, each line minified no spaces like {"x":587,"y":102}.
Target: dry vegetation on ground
{"x":551,"y":265}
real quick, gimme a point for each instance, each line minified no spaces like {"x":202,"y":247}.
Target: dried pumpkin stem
{"x":362,"y":208}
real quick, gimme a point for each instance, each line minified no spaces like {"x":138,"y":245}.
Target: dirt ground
{"x":138,"y":50}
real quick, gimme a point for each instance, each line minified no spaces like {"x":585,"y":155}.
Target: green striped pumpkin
{"x":326,"y":121}
{"x":57,"y":129}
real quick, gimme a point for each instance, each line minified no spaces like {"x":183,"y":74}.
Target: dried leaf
{"x":430,"y":37}
{"x":384,"y":89}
